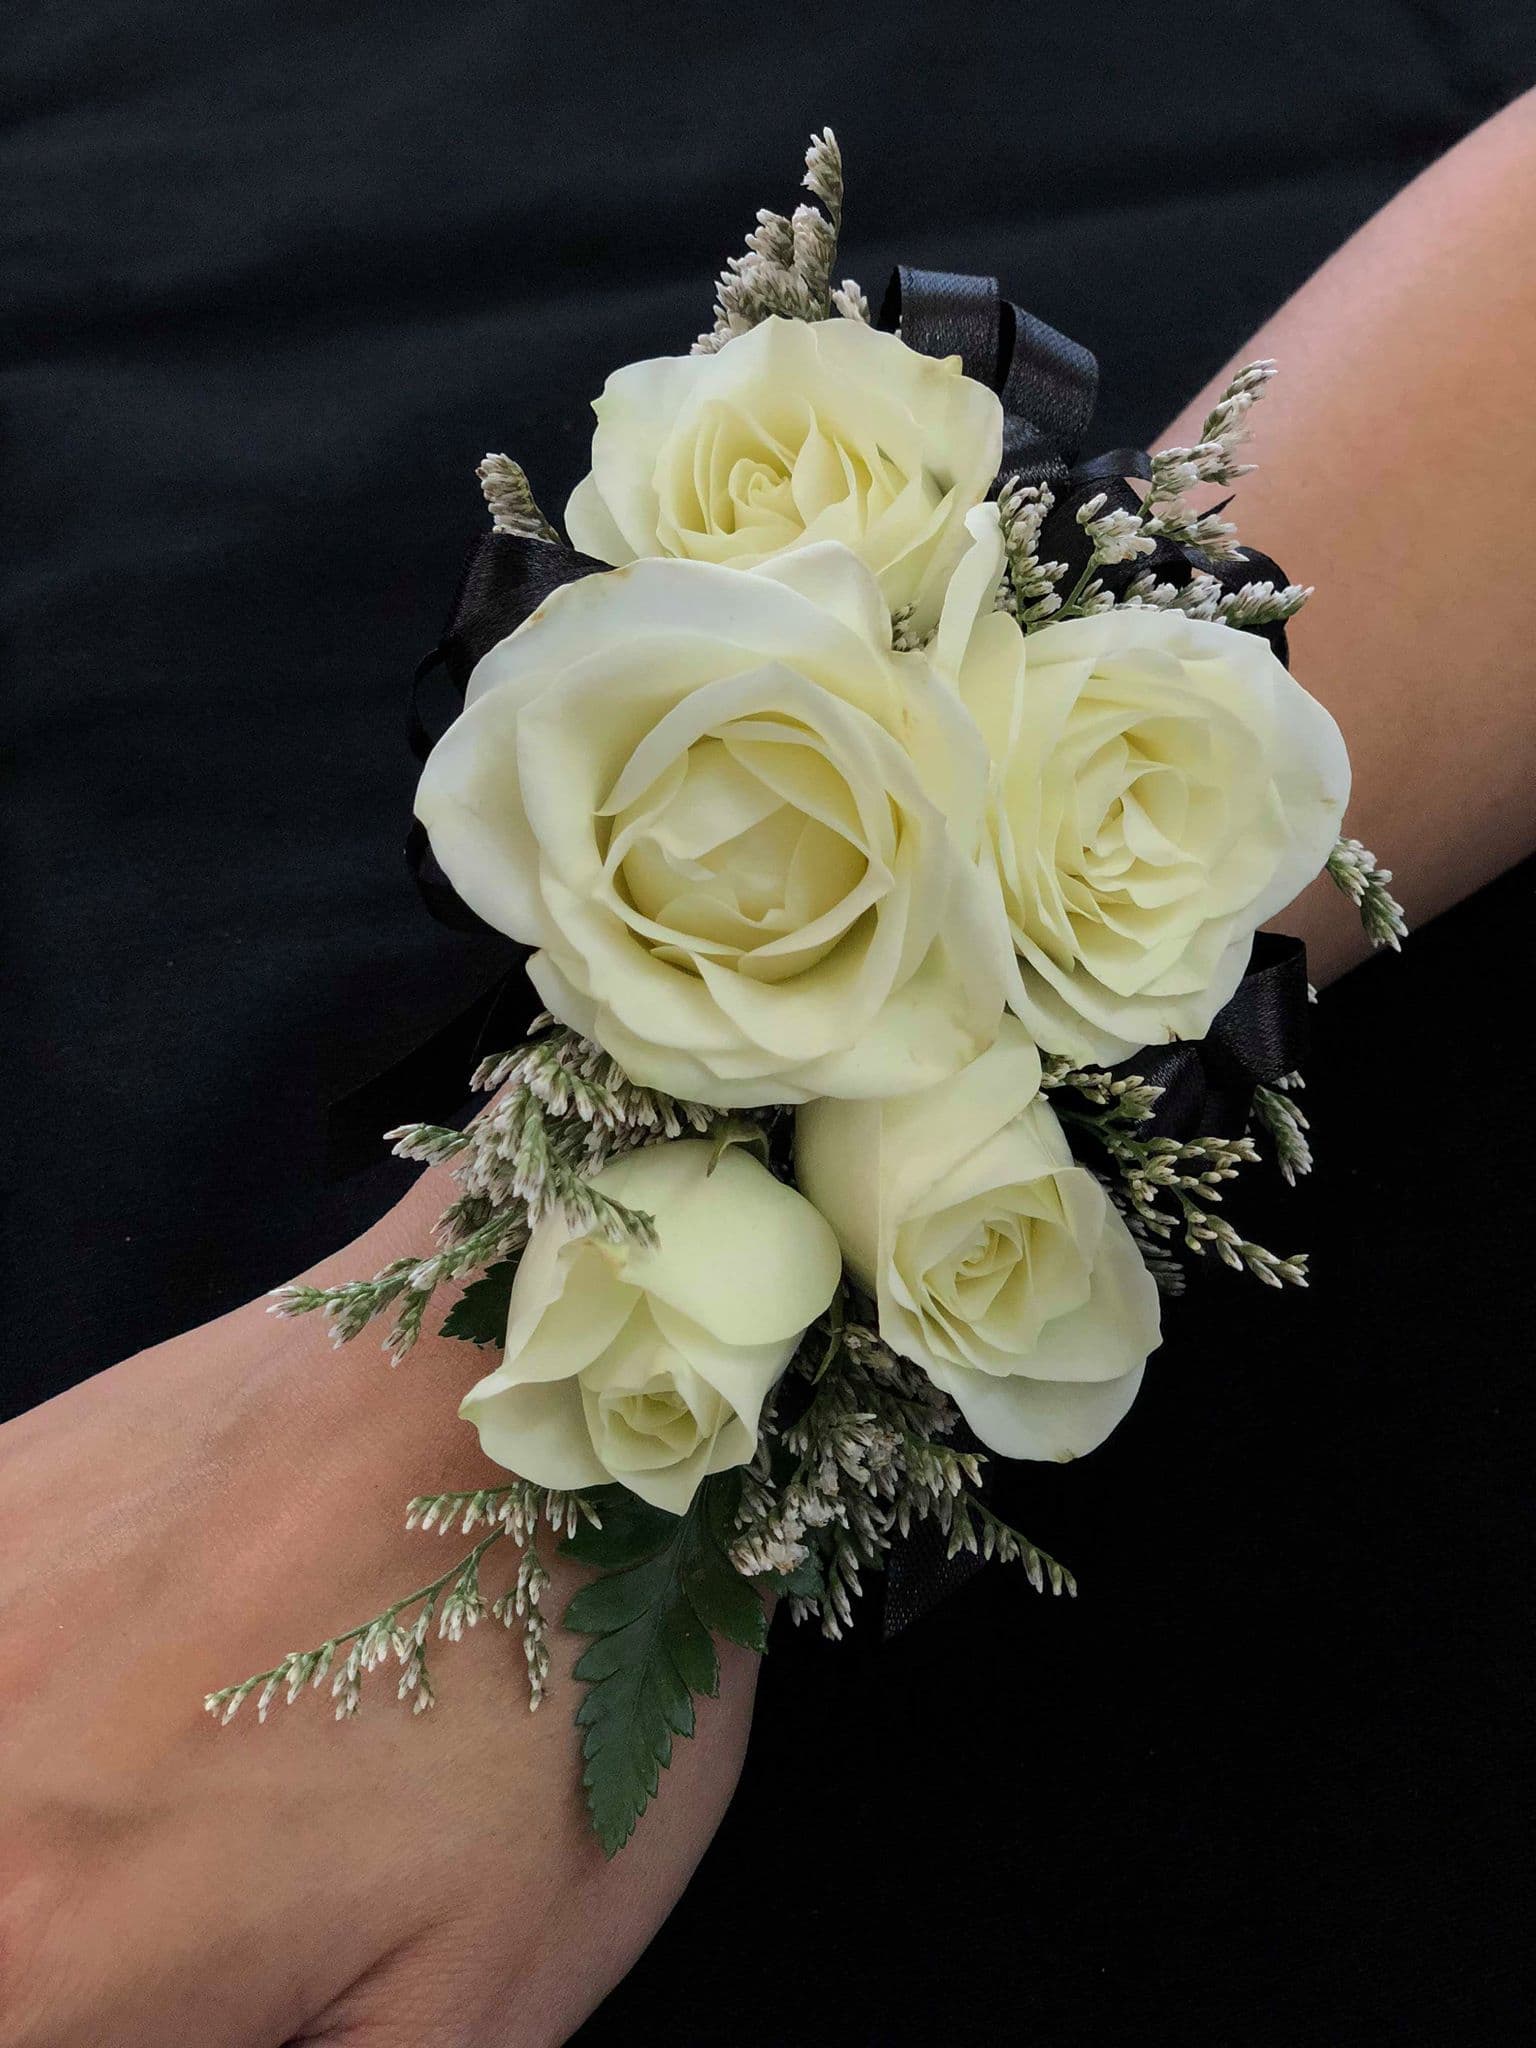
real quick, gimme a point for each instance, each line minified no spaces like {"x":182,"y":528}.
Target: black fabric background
{"x":276,"y":276}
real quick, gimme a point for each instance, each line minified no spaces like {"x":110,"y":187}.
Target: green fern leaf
{"x":480,"y":1313}
{"x":668,"y":1584}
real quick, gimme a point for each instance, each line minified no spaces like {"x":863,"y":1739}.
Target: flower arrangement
{"x":891,"y":800}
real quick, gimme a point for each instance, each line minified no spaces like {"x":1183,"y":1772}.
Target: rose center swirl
{"x":745,"y":853}
{"x":1135,"y":834}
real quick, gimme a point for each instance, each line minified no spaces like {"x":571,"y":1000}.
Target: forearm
{"x":187,"y":1518}
{"x":1394,"y":450}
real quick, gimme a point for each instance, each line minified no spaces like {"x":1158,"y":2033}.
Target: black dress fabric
{"x":276,"y":277}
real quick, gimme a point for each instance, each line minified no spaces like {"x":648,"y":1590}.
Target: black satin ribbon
{"x":1208,"y":1083}
{"x":1048,"y":385}
{"x":505,"y":578}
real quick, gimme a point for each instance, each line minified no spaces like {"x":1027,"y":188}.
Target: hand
{"x":183,"y":1520}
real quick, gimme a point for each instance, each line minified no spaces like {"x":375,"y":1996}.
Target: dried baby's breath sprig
{"x":520,"y":1606}
{"x":1119,"y":534}
{"x":979,"y":1530}
{"x":540,"y":1161}
{"x":1286,"y":1126}
{"x":1214,"y":458}
{"x":864,"y":1461}
{"x":352,"y":1306}
{"x":566,"y":1072}
{"x":564,"y":1111}
{"x":850,"y":301}
{"x":1116,"y":535}
{"x":454,"y":1601}
{"x":824,"y":175}
{"x":1029,"y":588}
{"x":509,"y":495}
{"x":407,"y":1285}
{"x":1353,"y":868}
{"x":1146,"y":593}
{"x":518,"y":1507}
{"x":1170,"y":1185}
{"x":1187,"y":528}
{"x":1262,"y":604}
{"x":1202,"y":597}
{"x":1123,"y":1099}
{"x":1165,"y":1268}
{"x":788,"y":264}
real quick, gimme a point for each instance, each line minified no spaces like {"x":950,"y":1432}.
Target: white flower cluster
{"x":793,"y":812}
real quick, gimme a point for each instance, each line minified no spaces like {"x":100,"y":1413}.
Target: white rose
{"x":741,"y":831}
{"x":651,"y":1366}
{"x":996,"y":1262}
{"x":796,"y":431}
{"x":1162,"y":786}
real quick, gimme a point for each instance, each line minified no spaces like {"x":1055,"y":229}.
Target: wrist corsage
{"x":891,"y":799}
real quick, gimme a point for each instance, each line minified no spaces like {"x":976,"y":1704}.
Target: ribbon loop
{"x":947,"y":313}
{"x":1048,"y":394}
{"x":1047,"y":382}
{"x":1208,"y":1083}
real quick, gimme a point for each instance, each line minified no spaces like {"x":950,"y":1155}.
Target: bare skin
{"x":1394,"y":448}
{"x":186,"y":1517}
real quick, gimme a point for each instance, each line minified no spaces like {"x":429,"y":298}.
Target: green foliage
{"x":480,"y":1313}
{"x":667,"y":1586}
{"x":805,"y":1581}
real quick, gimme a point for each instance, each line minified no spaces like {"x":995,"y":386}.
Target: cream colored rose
{"x":1162,"y":786}
{"x":796,"y":431}
{"x":996,"y":1262}
{"x":740,"y":830}
{"x":651,"y":1367}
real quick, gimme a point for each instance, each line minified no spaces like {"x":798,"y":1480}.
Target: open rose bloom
{"x":1161,"y":786}
{"x":796,"y":432}
{"x":740,"y":830}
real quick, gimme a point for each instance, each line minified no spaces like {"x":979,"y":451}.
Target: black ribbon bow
{"x":1208,"y":1083}
{"x":1048,"y":386}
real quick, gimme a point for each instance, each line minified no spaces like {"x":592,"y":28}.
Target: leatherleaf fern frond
{"x":667,"y":1589}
